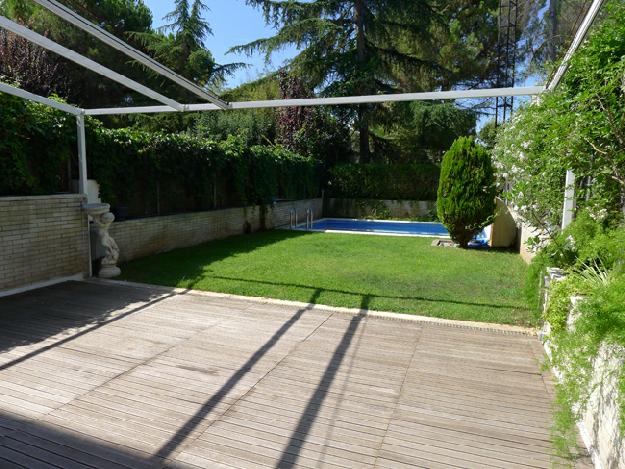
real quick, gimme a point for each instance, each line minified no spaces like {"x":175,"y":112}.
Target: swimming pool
{"x":382,"y":227}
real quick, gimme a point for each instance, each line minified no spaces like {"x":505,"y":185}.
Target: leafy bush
{"x":578,"y":127}
{"x":584,"y":242}
{"x":380,"y":181}
{"x":601,"y":323}
{"x":466,"y":192}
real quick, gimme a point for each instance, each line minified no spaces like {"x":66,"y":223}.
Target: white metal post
{"x":82,"y":174}
{"x":568,"y":211}
{"x":82,"y":155}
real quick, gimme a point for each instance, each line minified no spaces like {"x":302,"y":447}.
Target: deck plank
{"x":102,"y":374}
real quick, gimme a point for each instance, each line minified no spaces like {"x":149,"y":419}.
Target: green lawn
{"x":401,"y":274}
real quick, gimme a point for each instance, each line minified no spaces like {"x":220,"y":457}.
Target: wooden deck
{"x":104,"y":375}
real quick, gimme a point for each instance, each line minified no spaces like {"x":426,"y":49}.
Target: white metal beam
{"x":568,"y":209}
{"x":20,"y":93}
{"x":82,"y":154}
{"x":580,"y":35}
{"x":74,"y":18}
{"x":380,"y":98}
{"x":85,"y":62}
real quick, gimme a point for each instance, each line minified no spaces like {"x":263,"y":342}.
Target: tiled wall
{"x":42,"y":238}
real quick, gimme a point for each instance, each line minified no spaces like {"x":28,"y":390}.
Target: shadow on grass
{"x":188,"y":267}
{"x":192,"y":284}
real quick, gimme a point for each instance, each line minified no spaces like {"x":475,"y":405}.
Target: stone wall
{"x":42,"y":238}
{"x":363,"y":208}
{"x":146,"y":236}
{"x":599,"y":424}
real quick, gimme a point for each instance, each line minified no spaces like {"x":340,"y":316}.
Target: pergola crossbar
{"x":107,"y":38}
{"x":75,"y":57}
{"x":370,"y":99}
{"x":20,"y":93}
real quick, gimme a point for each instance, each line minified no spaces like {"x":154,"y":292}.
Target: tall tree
{"x":179,"y":44}
{"x":31,"y":66}
{"x":81,"y":86}
{"x":348,"y":46}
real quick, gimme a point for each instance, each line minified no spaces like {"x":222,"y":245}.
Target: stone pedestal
{"x":102,"y":219}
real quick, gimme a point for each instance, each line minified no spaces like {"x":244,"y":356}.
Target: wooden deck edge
{"x":485,"y":326}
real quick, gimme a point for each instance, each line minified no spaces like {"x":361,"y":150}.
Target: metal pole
{"x":568,"y":211}
{"x":82,"y":155}
{"x":82,"y":174}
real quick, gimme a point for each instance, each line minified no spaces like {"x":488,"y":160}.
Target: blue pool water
{"x":383,"y":227}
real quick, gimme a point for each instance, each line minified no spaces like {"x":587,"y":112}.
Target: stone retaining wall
{"x":599,"y":425}
{"x":42,"y":238}
{"x":146,"y":236}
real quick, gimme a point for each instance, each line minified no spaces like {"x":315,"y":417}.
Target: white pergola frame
{"x":214,"y":102}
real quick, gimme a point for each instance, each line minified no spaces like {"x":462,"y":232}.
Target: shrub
{"x":466,"y":191}
{"x":601,"y":322}
{"x":414,"y":181}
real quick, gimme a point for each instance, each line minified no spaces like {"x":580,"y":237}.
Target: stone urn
{"x":102,"y":219}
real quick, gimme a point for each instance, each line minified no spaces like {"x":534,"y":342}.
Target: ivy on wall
{"x":35,"y":147}
{"x":146,"y":173}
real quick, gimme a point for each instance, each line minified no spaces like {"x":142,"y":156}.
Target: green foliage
{"x":421,"y":131}
{"x":578,"y":127}
{"x":373,"y":46}
{"x":600,"y":327}
{"x":466,"y":191}
{"x":35,"y":147}
{"x":584,"y":242}
{"x":257,"y":126}
{"x":378,"y":181}
{"x":149,"y":173}
{"x":152,"y":173}
{"x":487,"y":135}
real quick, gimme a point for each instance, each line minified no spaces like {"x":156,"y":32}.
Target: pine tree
{"x":348,"y":47}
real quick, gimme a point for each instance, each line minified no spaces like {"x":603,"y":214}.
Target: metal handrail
{"x":292,"y":218}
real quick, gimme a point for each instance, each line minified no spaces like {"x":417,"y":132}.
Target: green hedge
{"x":36,"y":145}
{"x":144,"y":173}
{"x":152,"y":173}
{"x":415,"y":181}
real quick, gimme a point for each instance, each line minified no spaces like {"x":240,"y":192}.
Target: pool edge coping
{"x":370,"y":313}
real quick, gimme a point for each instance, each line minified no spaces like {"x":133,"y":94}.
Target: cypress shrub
{"x":466,"y":190}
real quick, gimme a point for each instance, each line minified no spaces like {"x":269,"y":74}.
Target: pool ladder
{"x":293,"y":218}
{"x":309,"y":219}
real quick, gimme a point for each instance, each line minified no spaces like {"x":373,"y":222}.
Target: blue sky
{"x":233,"y":23}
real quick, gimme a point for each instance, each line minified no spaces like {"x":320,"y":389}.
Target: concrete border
{"x":485,"y":326}
{"x":43,"y":284}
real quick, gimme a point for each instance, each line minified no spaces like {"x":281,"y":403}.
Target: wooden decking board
{"x":105,"y":375}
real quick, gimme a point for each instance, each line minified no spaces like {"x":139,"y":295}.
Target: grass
{"x":400,"y":274}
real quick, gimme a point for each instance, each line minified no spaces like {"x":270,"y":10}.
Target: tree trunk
{"x":554,"y":26}
{"x":363,"y":128}
{"x":361,"y":54}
